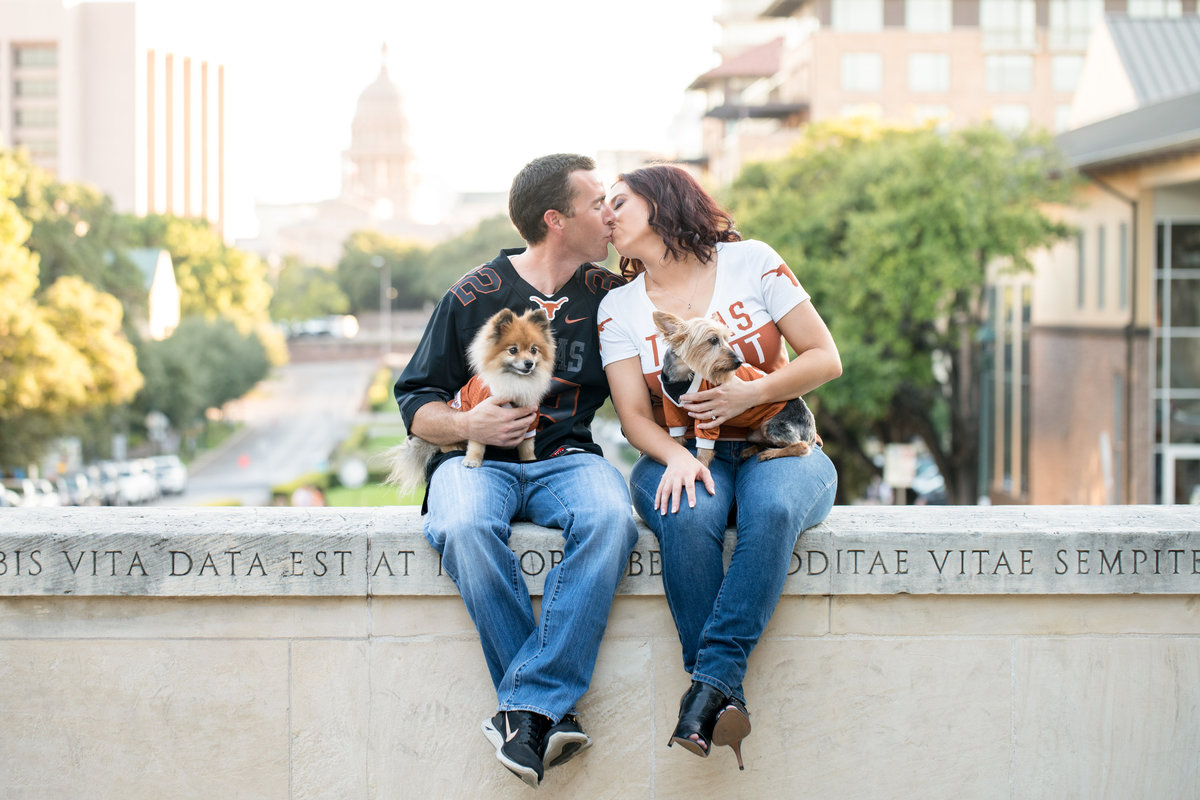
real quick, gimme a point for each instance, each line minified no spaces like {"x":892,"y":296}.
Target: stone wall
{"x":1007,"y":652}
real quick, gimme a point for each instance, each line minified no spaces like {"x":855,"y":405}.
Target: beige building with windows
{"x":1093,"y":395}
{"x":89,"y":95}
{"x":953,"y":62}
{"x":1097,"y":382}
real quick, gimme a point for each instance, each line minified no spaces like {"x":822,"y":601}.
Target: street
{"x":292,"y":421}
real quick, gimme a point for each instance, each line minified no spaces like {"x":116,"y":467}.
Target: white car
{"x":172,"y":474}
{"x":135,"y":483}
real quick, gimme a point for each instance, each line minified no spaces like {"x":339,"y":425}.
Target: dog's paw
{"x":472,"y":463}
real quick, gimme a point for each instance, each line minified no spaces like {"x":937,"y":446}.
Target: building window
{"x":1062,"y":118}
{"x":857,"y":15}
{"x":1014,"y":118}
{"x":35,"y":55}
{"x":1065,"y":71}
{"x":1008,"y":24}
{"x":1123,"y":267}
{"x":1080,"y":271}
{"x":928,"y":15}
{"x":928,"y":72}
{"x":1072,"y":21}
{"x":35,"y":118}
{"x":1101,"y":246}
{"x":862,"y":72}
{"x":36,"y":88}
{"x":1176,"y":336}
{"x":1009,"y":73}
{"x":1155,"y":8}
{"x":39,"y":148}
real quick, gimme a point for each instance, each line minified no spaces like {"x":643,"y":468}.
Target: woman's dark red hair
{"x":681,"y":212}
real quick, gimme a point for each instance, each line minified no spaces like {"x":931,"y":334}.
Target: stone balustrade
{"x":299,"y":653}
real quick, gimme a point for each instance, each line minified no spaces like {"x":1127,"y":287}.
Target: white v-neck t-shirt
{"x":754,"y":289}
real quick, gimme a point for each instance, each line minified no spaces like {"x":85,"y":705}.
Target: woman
{"x":683,"y":256}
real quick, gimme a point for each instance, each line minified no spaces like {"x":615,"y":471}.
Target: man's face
{"x":590,"y":229}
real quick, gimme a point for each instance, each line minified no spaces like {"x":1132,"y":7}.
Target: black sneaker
{"x":564,"y":741}
{"x":517,"y":737}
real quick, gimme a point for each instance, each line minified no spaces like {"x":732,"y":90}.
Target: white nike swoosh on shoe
{"x":510,"y":734}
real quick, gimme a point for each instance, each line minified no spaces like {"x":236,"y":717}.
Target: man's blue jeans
{"x":721,"y":614}
{"x":542,"y":665}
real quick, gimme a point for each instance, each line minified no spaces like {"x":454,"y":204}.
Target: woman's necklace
{"x":688,"y":300}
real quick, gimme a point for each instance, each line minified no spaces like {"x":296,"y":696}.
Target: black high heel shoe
{"x":698,"y":709}
{"x":731,"y":726}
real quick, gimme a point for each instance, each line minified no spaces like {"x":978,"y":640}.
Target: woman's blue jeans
{"x":542,"y":665}
{"x":720,"y":614}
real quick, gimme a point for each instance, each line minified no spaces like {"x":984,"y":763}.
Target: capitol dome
{"x":378,"y":161}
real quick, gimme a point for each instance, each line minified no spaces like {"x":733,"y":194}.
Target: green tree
{"x":77,"y":232}
{"x":304,"y":291}
{"x":61,"y":353}
{"x":214,"y":280}
{"x":450,"y":260}
{"x":419,"y":276}
{"x":359,"y":271}
{"x":894,"y":232}
{"x":203,"y":364}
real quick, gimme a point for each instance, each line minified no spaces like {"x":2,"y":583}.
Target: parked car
{"x":103,"y":477}
{"x":47,"y":492}
{"x":24,"y":490}
{"x":76,"y":489}
{"x":172,"y":474}
{"x":135,"y":483}
{"x":928,"y":484}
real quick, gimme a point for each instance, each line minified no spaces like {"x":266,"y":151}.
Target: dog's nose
{"x":528,"y":364}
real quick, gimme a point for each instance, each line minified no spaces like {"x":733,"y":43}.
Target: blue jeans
{"x":542,"y":665}
{"x":721,"y":614}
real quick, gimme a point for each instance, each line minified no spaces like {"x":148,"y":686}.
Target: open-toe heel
{"x":731,"y":726}
{"x":698,"y":710}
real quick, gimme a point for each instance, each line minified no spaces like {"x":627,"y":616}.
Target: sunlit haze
{"x":486,"y":85}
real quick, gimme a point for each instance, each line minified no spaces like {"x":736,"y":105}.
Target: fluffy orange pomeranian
{"x":513,"y":359}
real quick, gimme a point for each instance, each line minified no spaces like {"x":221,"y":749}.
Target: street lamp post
{"x":385,"y":301}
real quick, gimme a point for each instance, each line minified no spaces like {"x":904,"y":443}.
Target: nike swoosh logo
{"x":570,"y":321}
{"x":510,"y":734}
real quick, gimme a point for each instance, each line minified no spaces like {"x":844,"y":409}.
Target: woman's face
{"x":632,"y":234}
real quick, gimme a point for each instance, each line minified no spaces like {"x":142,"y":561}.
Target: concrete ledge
{"x":220,"y":552}
{"x":1030,"y":652}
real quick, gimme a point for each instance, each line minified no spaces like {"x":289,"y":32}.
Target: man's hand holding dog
{"x":497,"y":425}
{"x":488,"y":422}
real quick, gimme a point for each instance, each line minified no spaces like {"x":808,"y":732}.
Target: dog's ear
{"x":501,"y":321}
{"x":538,"y":317}
{"x":668,"y":323}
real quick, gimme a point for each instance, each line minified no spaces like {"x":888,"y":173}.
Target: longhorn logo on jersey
{"x":551,"y":307}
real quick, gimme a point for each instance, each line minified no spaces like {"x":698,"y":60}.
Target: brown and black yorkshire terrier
{"x":513,"y":359}
{"x":698,"y":357}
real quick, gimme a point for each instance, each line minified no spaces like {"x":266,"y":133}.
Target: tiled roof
{"x":757,"y":62}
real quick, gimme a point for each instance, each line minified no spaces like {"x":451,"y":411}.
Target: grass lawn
{"x":372,"y":494}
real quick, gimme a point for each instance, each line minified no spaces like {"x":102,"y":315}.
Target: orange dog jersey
{"x":474,"y":393}
{"x":678,"y":420}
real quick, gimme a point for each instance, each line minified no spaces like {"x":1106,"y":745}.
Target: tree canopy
{"x":62,"y":349}
{"x":893,"y":233}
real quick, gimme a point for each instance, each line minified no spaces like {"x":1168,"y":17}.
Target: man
{"x":540,"y":668}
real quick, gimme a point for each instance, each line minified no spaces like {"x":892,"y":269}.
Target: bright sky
{"x":487,"y":84}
